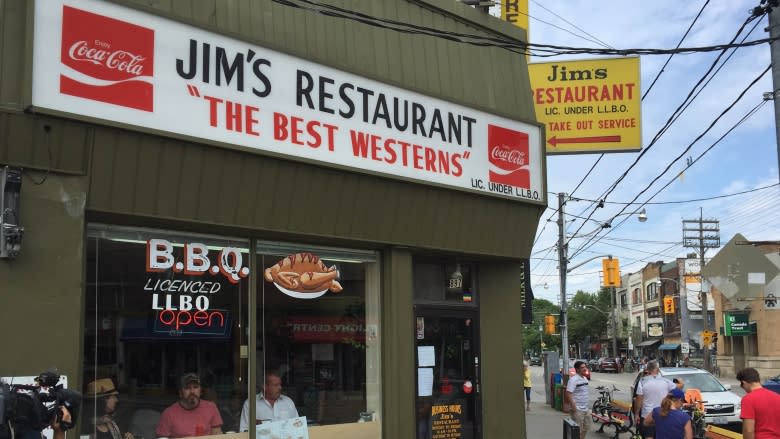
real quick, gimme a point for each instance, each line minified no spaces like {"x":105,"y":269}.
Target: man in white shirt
{"x":270,"y":405}
{"x":577,"y":397}
{"x":651,"y":390}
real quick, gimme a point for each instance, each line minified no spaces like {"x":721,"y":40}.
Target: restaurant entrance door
{"x":447,"y":361}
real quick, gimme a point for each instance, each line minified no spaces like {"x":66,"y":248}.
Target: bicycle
{"x":616,"y":417}
{"x":602,"y":403}
{"x":698,"y":421}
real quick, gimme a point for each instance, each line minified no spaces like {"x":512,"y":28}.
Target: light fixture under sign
{"x":10,"y":231}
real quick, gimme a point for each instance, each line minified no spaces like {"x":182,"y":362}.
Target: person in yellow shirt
{"x":527,"y":384}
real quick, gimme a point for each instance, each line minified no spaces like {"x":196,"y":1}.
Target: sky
{"x":744,"y":160}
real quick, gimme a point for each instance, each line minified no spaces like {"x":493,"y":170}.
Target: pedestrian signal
{"x":611,"y":269}
{"x":668,"y":305}
{"x":549,"y":324}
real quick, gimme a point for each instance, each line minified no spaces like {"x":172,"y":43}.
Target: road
{"x":542,"y":421}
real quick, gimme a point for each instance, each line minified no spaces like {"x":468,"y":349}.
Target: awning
{"x":648,"y":342}
{"x":668,"y":347}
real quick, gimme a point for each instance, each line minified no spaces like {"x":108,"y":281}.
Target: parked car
{"x":773,"y":384}
{"x":608,"y":364}
{"x":593,"y":364}
{"x":721,"y":405}
{"x":535,"y":361}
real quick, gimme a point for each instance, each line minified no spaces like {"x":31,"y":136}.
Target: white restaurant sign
{"x":102,"y":61}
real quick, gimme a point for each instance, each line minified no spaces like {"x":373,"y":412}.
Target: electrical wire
{"x":693,"y":200}
{"x":738,"y":123}
{"x":663,"y":67}
{"x":513,"y":45}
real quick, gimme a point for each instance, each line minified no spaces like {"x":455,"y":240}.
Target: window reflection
{"x":149,"y":323}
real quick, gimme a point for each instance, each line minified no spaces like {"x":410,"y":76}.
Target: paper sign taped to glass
{"x":294,"y":428}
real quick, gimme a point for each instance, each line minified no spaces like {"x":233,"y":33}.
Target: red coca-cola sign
{"x":110,"y":60}
{"x":508,"y":155}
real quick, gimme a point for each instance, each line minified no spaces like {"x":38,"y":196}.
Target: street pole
{"x":774,"y":50}
{"x":694,"y":237}
{"x":615,"y":352}
{"x":704,"y":308}
{"x":562,"y":265}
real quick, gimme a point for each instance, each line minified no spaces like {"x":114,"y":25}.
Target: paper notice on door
{"x":426,"y":357}
{"x":424,"y":381}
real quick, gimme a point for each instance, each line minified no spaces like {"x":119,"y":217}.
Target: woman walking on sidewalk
{"x":527,"y":384}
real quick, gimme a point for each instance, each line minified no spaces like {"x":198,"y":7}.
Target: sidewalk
{"x":543,"y":422}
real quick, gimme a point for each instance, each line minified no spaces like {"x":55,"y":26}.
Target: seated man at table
{"x":190,"y":415}
{"x":270,"y":405}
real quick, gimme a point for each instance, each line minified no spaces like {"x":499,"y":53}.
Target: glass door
{"x":447,"y":362}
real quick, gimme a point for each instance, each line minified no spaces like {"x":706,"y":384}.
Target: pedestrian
{"x":652,"y":388}
{"x":669,"y":421}
{"x":577,"y":397}
{"x":759,"y":407}
{"x":527,"y":384}
{"x":190,"y":415}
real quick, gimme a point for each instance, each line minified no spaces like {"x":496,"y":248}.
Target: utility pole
{"x":774,"y":50}
{"x":694,"y":237}
{"x":615,"y":352}
{"x":563,"y":250}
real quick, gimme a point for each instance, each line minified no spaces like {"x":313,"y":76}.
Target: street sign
{"x":590,"y":105}
{"x":685,"y":348}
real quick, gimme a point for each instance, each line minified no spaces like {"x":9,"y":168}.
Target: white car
{"x":722,"y":406}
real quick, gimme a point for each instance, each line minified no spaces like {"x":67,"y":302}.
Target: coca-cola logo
{"x":107,"y":60}
{"x":121,"y":60}
{"x":507,"y":154}
{"x":509,"y":157}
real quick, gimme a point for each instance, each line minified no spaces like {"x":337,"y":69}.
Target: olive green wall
{"x":40,"y":292}
{"x":399,"y":373}
{"x":500,"y":326}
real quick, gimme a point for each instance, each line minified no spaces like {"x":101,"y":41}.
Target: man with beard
{"x":190,"y":416}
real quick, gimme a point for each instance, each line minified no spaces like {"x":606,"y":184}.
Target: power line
{"x":500,"y":41}
{"x":693,"y":200}
{"x":750,"y":113}
{"x":678,"y":45}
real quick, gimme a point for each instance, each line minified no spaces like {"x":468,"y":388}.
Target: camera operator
{"x":26,"y":410}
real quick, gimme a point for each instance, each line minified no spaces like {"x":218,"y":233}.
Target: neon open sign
{"x":178,"y":322}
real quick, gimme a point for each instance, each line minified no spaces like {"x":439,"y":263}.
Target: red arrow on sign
{"x":554,"y":141}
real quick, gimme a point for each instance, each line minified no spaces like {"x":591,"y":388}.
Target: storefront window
{"x":158,"y":306}
{"x":318,"y":328}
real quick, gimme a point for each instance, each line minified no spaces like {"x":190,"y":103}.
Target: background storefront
{"x":85,"y":178}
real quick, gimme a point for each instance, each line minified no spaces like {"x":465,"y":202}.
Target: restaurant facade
{"x":235,"y":187}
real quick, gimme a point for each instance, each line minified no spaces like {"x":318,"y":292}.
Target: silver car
{"x":722,"y":406}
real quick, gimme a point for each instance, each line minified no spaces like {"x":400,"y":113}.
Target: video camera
{"x":25,"y":408}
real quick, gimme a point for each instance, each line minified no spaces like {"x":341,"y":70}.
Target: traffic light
{"x":611,"y":268}
{"x":714,"y":338}
{"x":549,"y":324}
{"x":668,"y":305}
{"x":706,"y":338}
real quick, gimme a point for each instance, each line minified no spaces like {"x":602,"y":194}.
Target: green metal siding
{"x":142,"y":175}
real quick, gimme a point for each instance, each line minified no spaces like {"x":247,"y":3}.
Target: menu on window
{"x":294,"y":428}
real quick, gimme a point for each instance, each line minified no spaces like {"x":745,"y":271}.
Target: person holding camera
{"x":36,"y":407}
{"x":103,"y":401}
{"x":190,"y":416}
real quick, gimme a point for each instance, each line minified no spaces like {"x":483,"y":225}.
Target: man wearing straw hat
{"x":100,"y":406}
